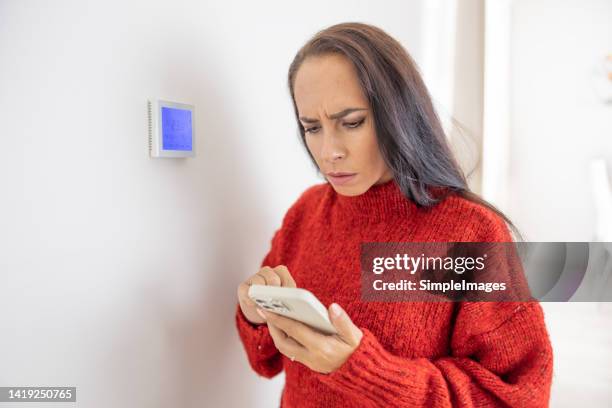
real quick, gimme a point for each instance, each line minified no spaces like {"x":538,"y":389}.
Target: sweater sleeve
{"x":510,"y":365}
{"x":261,"y":352}
{"x":500,"y":355}
{"x":263,"y":356}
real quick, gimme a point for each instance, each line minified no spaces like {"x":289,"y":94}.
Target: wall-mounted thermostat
{"x":171,"y":129}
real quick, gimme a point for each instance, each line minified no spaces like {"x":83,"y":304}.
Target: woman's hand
{"x":278,"y":276}
{"x":319,"y":352}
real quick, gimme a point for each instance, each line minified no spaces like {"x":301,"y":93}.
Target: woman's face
{"x":338,"y":124}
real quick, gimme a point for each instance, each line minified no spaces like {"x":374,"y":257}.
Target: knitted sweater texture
{"x":412,"y":354}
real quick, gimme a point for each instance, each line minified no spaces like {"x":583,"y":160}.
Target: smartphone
{"x":295,"y":303}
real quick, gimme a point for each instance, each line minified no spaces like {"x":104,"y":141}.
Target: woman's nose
{"x":332,"y":150}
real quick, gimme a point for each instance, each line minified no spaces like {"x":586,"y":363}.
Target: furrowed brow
{"x":337,"y":115}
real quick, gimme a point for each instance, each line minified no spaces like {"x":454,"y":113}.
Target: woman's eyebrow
{"x":334,"y":116}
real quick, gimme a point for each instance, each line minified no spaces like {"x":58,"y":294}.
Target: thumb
{"x":347,"y":330}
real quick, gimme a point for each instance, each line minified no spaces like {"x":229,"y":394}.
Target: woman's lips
{"x":341,"y":179}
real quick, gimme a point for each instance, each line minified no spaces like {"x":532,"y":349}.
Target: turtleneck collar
{"x":379,"y":201}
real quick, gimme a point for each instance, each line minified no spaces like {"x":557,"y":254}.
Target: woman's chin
{"x":348,"y":190}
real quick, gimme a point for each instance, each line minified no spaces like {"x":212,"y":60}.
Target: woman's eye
{"x":313,"y":129}
{"x":354,"y":124}
{"x":351,"y":125}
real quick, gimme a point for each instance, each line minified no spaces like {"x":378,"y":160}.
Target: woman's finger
{"x":348,"y":332}
{"x":256,"y":280}
{"x":302,"y":333}
{"x":285,"y":276}
{"x":270,"y":276}
{"x":285,"y":344}
{"x":243,"y":294}
{"x":243,"y":289}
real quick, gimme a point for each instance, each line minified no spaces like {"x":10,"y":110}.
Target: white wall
{"x":118,"y":271}
{"x":557,"y":124}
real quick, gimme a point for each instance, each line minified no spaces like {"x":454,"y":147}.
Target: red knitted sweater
{"x":412,"y":354}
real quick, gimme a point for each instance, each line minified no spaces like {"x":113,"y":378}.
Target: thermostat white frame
{"x":156,"y":149}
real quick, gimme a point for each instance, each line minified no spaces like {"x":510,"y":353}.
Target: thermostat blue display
{"x":171,"y":129}
{"x":176,"y":129}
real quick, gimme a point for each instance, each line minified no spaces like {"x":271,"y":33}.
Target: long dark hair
{"x":410,"y":136}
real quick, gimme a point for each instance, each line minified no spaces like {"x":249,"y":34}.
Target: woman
{"x":369,"y":126}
